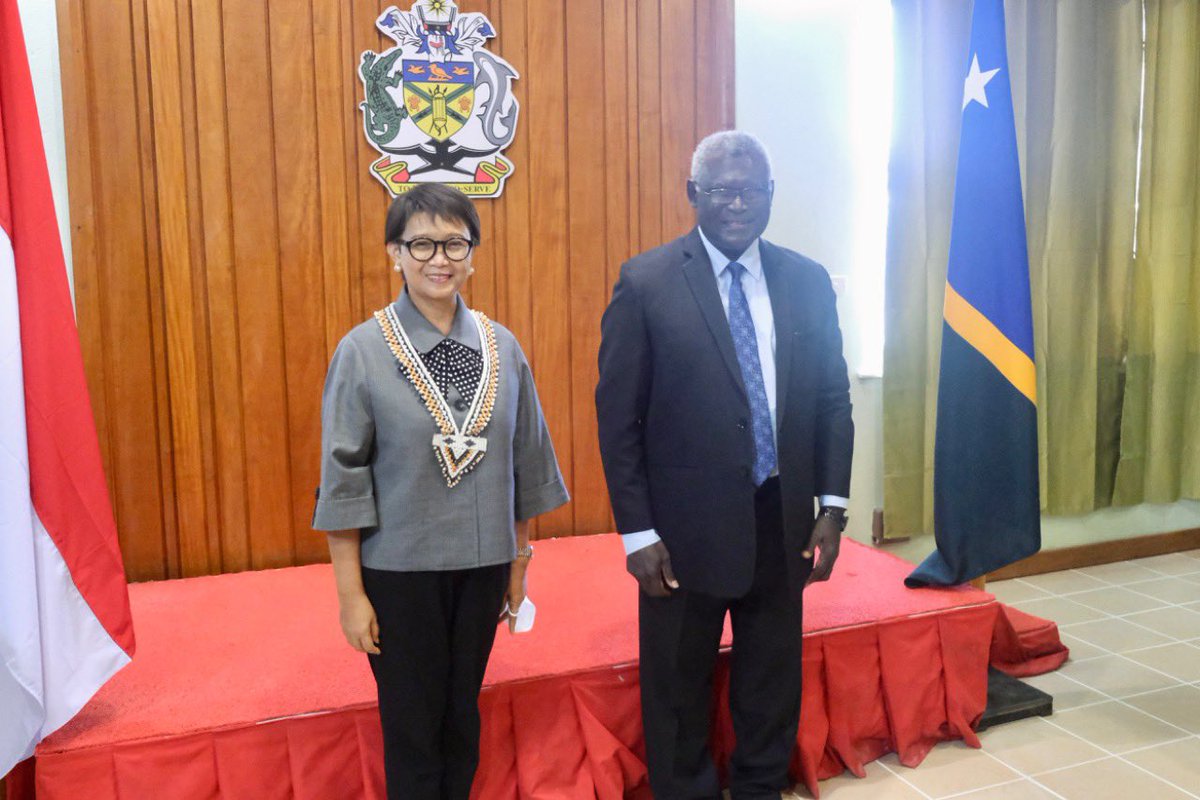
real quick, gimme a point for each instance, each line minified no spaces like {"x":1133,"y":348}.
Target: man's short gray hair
{"x":727,"y":143}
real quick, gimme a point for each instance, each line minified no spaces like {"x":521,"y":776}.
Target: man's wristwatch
{"x":837,"y":514}
{"x":525,"y":552}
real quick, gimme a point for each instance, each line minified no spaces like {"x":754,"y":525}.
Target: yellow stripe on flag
{"x":980,"y":333}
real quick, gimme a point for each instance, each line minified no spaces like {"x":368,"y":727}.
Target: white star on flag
{"x":976,"y":80}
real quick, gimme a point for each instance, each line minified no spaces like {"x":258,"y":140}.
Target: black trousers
{"x":679,"y":638}
{"x":435,"y":635}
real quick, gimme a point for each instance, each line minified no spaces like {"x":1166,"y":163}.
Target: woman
{"x":434,"y":457}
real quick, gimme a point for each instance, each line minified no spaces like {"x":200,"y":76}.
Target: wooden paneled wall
{"x":226,"y":234}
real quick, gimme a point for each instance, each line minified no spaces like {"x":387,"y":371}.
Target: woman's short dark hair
{"x":433,"y":199}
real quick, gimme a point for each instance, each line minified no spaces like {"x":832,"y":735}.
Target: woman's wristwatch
{"x":525,"y":552}
{"x":837,"y":514}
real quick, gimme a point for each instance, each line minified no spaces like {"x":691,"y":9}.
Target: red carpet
{"x":244,"y":687}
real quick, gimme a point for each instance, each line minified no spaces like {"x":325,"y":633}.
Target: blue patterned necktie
{"x":745,"y":343}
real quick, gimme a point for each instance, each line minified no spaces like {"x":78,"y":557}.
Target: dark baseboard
{"x":1089,"y":555}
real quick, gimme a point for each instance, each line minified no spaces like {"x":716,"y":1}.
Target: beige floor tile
{"x":1117,"y":635}
{"x":1194,"y":577}
{"x":1079,"y":648}
{"x":1116,"y":727}
{"x":879,"y":784}
{"x":1170,"y":564}
{"x":1179,"y":705}
{"x":1034,"y":745}
{"x":1017,"y":590}
{"x":1172,"y":590}
{"x":1017,"y":790}
{"x":1064,"y":582}
{"x":1179,"y":660}
{"x":1119,"y":600}
{"x":952,"y":768}
{"x":1119,"y":572}
{"x":1066,"y":692}
{"x":1060,"y":610}
{"x":1177,"y":762}
{"x":1110,"y":779}
{"x":1178,"y":623}
{"x":1116,"y":676}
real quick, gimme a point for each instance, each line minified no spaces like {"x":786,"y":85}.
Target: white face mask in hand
{"x":525,"y":614}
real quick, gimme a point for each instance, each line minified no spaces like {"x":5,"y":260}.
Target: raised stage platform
{"x":243,"y":686}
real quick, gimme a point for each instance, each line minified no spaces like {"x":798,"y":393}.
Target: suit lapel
{"x":781,"y":310}
{"x":699,"y":274}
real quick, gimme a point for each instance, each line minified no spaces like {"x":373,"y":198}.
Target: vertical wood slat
{"x":333,"y":187}
{"x":199,"y":301}
{"x":77,"y":115}
{"x":227,"y":233}
{"x":517,"y":225}
{"x":257,"y":280}
{"x":228,"y":479}
{"x":546,"y":124}
{"x":174,"y":235}
{"x":650,"y":124}
{"x":122,"y":323}
{"x":677,"y":48}
{"x":159,"y":387}
{"x":587,"y":255}
{"x":293,"y":110}
{"x":633,"y":165}
{"x":617,"y":190}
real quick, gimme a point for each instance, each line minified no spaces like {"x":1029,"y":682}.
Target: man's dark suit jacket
{"x":674,"y":418}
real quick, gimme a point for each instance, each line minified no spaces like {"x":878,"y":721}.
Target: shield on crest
{"x":439,"y":96}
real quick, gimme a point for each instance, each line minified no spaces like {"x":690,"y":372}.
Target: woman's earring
{"x":396,"y":266}
{"x":470,"y":270}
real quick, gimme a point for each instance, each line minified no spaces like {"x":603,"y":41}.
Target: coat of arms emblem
{"x":438,"y":107}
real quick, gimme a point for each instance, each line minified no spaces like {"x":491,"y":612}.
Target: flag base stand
{"x":1009,"y":700}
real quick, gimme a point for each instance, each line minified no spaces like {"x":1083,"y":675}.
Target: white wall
{"x":795,"y":74}
{"x":40,"y":23}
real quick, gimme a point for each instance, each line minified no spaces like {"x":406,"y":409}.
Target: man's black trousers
{"x":679,"y":639}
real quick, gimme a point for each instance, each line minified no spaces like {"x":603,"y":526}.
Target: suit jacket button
{"x":741,"y":424}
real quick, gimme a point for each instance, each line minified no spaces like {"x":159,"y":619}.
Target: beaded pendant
{"x":458,"y":449}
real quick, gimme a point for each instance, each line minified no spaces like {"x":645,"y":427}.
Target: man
{"x":724,"y":410}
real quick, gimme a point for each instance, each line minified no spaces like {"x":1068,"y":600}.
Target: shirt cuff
{"x":639,"y":540}
{"x":345,"y":513}
{"x":532,"y":501}
{"x":834,"y":501}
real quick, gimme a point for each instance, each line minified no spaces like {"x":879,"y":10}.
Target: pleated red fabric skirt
{"x":244,"y":687}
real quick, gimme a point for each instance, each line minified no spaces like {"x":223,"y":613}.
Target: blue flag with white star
{"x":985,"y":485}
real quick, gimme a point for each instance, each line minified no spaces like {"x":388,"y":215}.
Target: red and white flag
{"x":65,"y":626}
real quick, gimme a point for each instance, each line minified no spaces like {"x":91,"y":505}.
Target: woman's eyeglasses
{"x":422,"y":249}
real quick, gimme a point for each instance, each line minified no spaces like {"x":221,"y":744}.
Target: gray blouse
{"x":379,"y":472}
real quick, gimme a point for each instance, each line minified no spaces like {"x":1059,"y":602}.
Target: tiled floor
{"x":1126,"y":720}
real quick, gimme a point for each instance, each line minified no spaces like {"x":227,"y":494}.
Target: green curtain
{"x":1075,"y":69}
{"x":1160,"y":421}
